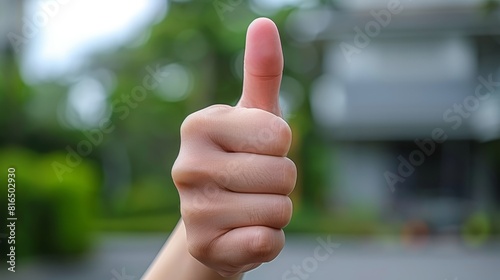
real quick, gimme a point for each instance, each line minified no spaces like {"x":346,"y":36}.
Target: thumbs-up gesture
{"x":232,"y":172}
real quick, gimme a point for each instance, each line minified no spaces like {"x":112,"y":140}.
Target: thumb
{"x":263,"y":67}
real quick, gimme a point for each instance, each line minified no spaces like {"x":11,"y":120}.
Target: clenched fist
{"x":232,"y":172}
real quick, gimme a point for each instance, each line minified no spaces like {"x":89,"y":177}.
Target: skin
{"x":233,"y":176}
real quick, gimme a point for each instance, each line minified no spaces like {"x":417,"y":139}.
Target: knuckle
{"x":192,"y":124}
{"x":276,"y":212}
{"x":186,"y":171}
{"x":264,"y":247}
{"x":179,"y":173}
{"x":289,"y":176}
{"x":283,"y":137}
{"x":200,"y":205}
{"x":285,"y":210}
{"x":191,"y":213}
{"x":199,"y":121}
{"x":274,"y":137}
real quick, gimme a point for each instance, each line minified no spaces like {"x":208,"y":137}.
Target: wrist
{"x":175,"y":262}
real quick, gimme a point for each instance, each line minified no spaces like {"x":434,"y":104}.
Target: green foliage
{"x":150,"y":196}
{"x":163,"y":222}
{"x":352,"y":223}
{"x":477,"y":229}
{"x":54,"y":217}
{"x":490,"y":6}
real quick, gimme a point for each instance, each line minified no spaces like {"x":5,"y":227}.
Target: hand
{"x":232,"y":172}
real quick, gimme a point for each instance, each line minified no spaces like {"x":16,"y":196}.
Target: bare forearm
{"x":175,"y":262}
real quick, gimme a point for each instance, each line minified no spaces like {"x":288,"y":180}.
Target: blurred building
{"x":10,"y":22}
{"x":410,"y":94}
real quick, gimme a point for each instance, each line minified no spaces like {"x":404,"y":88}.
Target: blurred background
{"x":394,"y":105}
